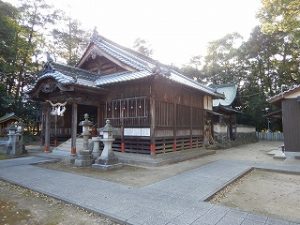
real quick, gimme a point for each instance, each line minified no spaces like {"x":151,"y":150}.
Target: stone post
{"x":84,"y":156}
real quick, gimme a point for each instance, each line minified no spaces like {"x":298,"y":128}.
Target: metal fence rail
{"x":270,"y":136}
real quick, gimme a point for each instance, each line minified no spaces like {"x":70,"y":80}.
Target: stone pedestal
{"x":96,"y":148}
{"x":71,"y":159}
{"x":108,"y":159}
{"x":83,"y":159}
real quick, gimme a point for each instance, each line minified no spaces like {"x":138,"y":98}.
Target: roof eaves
{"x":194,"y":84}
{"x":283,"y":94}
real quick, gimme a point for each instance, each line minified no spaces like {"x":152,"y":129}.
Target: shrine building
{"x":154,"y":108}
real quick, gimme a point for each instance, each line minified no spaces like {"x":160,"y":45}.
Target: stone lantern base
{"x":83,"y":159}
{"x":107,"y":167}
{"x":107,"y":163}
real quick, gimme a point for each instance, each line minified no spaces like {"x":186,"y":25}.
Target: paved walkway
{"x":178,"y":200}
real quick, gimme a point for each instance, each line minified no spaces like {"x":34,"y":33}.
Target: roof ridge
{"x":146,"y":58}
{"x":136,"y":61}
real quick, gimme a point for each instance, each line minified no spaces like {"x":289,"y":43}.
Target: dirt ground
{"x":268,"y":193}
{"x":20,"y":206}
{"x":138,"y":176}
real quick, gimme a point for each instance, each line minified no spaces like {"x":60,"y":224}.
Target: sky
{"x":175,"y":29}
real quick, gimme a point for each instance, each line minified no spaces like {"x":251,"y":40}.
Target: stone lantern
{"x":13,"y":144}
{"x":20,"y":131}
{"x":107,"y":159}
{"x":84,"y":156}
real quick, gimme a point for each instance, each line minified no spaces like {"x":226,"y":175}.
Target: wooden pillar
{"x":47,"y":129}
{"x":175,"y":127}
{"x":74,"y":129}
{"x":99,"y":116}
{"x":43,"y":113}
{"x":152,"y":126}
{"x":191,"y":126}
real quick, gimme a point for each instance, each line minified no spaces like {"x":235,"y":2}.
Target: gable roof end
{"x":144,"y":65}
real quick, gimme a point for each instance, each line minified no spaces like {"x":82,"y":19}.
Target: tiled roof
{"x":74,"y":72}
{"x":66,"y":75}
{"x":8,"y":116}
{"x":58,"y":76}
{"x":284,"y":94}
{"x":229,"y":91}
{"x":121,"y":77}
{"x":142,"y":63}
{"x":143,"y":66}
{"x":181,"y":79}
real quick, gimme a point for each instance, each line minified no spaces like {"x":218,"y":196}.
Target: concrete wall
{"x":243,"y":135}
{"x":245,"y":129}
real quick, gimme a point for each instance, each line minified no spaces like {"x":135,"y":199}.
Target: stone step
{"x":66,"y":146}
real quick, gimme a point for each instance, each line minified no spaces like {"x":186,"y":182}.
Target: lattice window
{"x":116,"y":109}
{"x":137,"y":107}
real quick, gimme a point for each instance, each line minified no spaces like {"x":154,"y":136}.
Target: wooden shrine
{"x":155,"y":108}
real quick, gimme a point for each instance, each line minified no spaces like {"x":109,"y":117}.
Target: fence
{"x":270,"y":136}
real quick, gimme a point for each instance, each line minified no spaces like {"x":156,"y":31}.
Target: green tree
{"x":222,"y":62}
{"x":280,"y":19}
{"x":8,"y":46}
{"x":6,"y":101}
{"x":21,"y":30}
{"x":70,"y":41}
{"x":35,"y":16}
{"x":280,"y":16}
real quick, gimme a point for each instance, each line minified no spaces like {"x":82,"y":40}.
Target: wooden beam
{"x":74,"y":129}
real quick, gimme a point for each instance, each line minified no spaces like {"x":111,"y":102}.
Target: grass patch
{"x":3,"y":156}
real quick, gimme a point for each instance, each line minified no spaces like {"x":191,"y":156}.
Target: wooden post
{"x":175,"y":127}
{"x":43,"y":113}
{"x":122,"y":130}
{"x":191,"y":127}
{"x":99,"y":117}
{"x":152,"y":126}
{"x":74,"y":129}
{"x":47,"y":129}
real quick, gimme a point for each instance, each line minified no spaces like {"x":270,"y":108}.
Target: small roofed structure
{"x":6,"y":121}
{"x":225,"y":107}
{"x":289,"y":103}
{"x":226,"y":130}
{"x":155,"y":108}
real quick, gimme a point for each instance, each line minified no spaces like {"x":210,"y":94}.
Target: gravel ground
{"x":264,"y":192}
{"x":20,"y":206}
